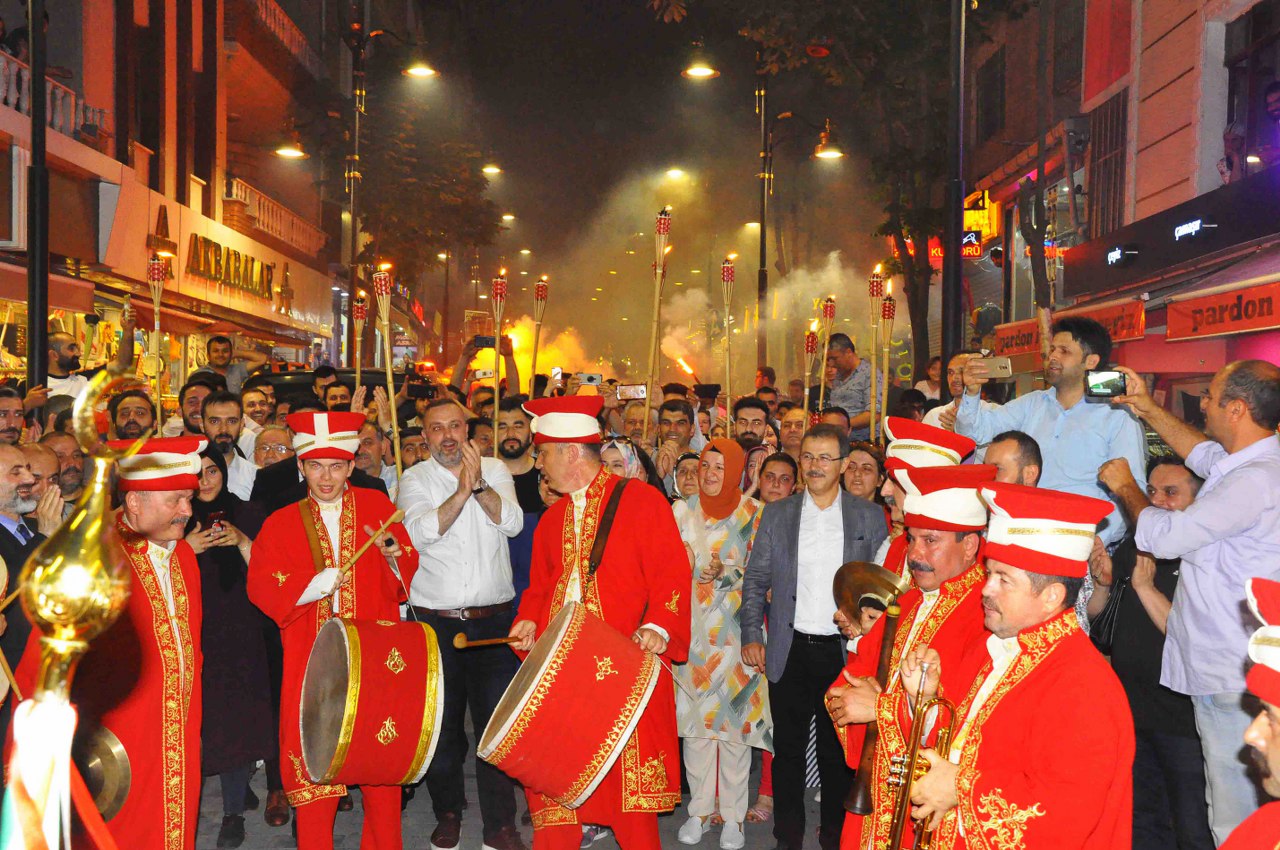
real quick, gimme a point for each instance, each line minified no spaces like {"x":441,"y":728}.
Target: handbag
{"x":1102,"y":628}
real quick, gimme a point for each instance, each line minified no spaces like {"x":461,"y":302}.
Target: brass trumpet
{"x":906,"y":770}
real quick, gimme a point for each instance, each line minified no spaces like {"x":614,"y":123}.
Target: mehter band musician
{"x":1042,"y":755}
{"x":297,"y":576}
{"x":141,"y":679}
{"x":641,"y":589}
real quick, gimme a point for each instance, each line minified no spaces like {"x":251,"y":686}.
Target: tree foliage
{"x":888,"y":64}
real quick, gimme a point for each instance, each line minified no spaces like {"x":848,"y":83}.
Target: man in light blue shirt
{"x":851,"y":389}
{"x":1228,"y":535}
{"x":1076,"y":435}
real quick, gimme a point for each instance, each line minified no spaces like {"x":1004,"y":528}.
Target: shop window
{"x":1253,"y":69}
{"x":1108,"y":125}
{"x":1068,"y":45}
{"x":989,"y":100}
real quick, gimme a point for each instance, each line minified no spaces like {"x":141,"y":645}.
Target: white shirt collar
{"x":1002,"y":649}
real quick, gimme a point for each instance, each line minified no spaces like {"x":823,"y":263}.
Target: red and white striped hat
{"x":945,"y":498}
{"x":565,"y":419}
{"x":165,"y":463}
{"x":1263,"y":678}
{"x":1042,"y":531}
{"x":335,"y":434}
{"x":919,"y":445}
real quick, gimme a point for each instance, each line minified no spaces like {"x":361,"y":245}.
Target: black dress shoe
{"x":251,"y":801}
{"x":232,"y":832}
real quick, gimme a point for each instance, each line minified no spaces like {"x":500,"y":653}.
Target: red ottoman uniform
{"x":938,"y":498}
{"x":281,"y":568}
{"x":642,"y":580}
{"x":141,"y":678}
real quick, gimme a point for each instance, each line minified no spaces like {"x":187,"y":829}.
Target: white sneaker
{"x":691,"y":832}
{"x":731,"y":837}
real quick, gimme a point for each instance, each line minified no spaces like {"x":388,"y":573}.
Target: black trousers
{"x":795,"y":699}
{"x":1169,"y":808}
{"x":475,"y":679}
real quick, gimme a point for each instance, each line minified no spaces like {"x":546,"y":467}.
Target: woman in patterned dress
{"x":722,"y":707}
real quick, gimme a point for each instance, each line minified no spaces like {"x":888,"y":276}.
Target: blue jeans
{"x":1221,"y":720}
{"x":1169,"y":798}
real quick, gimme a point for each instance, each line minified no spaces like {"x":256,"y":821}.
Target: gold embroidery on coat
{"x":1007,"y":821}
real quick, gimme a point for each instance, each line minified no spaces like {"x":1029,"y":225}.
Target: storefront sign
{"x":1124,"y":321}
{"x":1121,"y":255}
{"x":402,"y":340}
{"x":1189,"y":229}
{"x":1251,"y":309}
{"x":209,"y":260}
{"x":971,"y":245}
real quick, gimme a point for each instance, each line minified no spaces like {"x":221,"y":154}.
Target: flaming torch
{"x":687,"y":369}
{"x":539,"y":307}
{"x":157,"y":271}
{"x":359,"y":312}
{"x":888,"y":309}
{"x":875,"y":292}
{"x":726,"y":288}
{"x":810,"y":354}
{"x":661,"y":235}
{"x":382,"y":291}
{"x":499,"y":302}
{"x":828,"y":316}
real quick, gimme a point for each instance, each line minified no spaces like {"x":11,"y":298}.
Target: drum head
{"x":521,"y":687}
{"x":324,"y":699}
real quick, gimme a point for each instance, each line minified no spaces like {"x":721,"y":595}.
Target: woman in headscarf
{"x":621,"y":457}
{"x":238,"y":728}
{"x":722,"y":707}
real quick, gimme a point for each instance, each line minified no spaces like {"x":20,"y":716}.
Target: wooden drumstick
{"x":394,"y":518}
{"x":460,"y":641}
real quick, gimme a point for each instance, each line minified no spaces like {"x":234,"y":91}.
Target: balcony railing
{"x":67,"y":114}
{"x":275,"y":219}
{"x":282,"y":26}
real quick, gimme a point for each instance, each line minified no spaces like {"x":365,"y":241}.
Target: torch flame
{"x":502,"y":272}
{"x":888,"y":287}
{"x":688,"y":370}
{"x":879,"y":267}
{"x":667,"y":250}
{"x":813,"y":326}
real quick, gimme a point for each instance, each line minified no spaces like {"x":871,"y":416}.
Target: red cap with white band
{"x":1263,"y":678}
{"x":1042,"y":531}
{"x":565,"y":419}
{"x":165,"y":463}
{"x":335,"y":434}
{"x":920,"y":445}
{"x":945,"y":498}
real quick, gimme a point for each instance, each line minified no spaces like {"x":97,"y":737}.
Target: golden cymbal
{"x":861,"y":578}
{"x":104,"y":765}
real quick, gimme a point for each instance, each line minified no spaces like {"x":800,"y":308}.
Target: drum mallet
{"x":460,"y":641}
{"x":394,"y":518}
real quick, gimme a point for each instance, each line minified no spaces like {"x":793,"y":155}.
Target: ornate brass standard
{"x":853,"y":581}
{"x":75,"y":584}
{"x":905,"y":771}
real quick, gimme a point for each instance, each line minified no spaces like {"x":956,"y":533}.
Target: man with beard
{"x":460,"y":509}
{"x":800,"y":544}
{"x":131,"y":414}
{"x":337,"y":396}
{"x":17,"y":541}
{"x":1259,"y":830}
{"x":257,"y":413}
{"x":70,"y":465}
{"x":944,"y":520}
{"x":633,"y":416}
{"x":480,"y":435}
{"x":12,"y":416}
{"x":369,"y":456}
{"x":750,"y":419}
{"x":64,"y":361}
{"x":515,"y":444}
{"x":220,"y":417}
{"x":413,"y":447}
{"x":1075,"y":436}
{"x":191,"y":403}
{"x":47,"y":514}
{"x":675,"y":435}
{"x":791,"y":429}
{"x":142,"y":678}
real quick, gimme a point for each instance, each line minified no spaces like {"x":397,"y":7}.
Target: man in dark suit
{"x":17,"y":540}
{"x":801,"y":542}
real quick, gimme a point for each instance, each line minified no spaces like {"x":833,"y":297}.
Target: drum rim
{"x":433,"y":660}
{"x":494,"y":738}
{"x":350,"y":700}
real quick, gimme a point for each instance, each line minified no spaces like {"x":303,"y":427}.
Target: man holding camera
{"x":1076,"y":436}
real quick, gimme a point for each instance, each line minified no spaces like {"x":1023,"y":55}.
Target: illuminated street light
{"x":442,"y":256}
{"x":675,"y":173}
{"x":419,"y":68}
{"x":828,"y":147}
{"x":700,"y":66}
{"x":508,"y":217}
{"x":290,"y":146}
{"x":491,"y":169}
{"x":385,"y":266}
{"x":525,"y":251}
{"x":752,"y":224}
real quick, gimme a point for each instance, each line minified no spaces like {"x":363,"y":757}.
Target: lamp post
{"x":952,"y":283}
{"x":37,"y":209}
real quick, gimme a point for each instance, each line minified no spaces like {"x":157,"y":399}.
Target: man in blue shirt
{"x":1076,"y":435}
{"x":851,"y":389}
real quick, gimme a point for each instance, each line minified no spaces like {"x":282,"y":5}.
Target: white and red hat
{"x":919,"y":445}
{"x":565,"y":419}
{"x":1263,"y":678}
{"x":945,"y":498}
{"x":165,"y":463}
{"x":335,"y":434}
{"x":1042,"y":531}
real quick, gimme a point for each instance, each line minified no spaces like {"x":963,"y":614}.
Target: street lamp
{"x":700,"y":66}
{"x":491,"y":169}
{"x":828,"y":147}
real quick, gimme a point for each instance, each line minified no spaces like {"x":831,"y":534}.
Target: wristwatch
{"x":480,"y":487}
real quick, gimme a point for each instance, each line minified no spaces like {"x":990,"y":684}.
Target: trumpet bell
{"x":857,"y":579}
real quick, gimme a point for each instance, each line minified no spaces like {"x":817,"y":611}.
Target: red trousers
{"x":381,"y":829}
{"x":633,"y":830}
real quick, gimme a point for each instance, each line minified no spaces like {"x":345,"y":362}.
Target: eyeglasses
{"x":275,"y":449}
{"x":825,"y":460}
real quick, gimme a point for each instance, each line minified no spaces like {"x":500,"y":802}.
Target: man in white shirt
{"x":220,"y":416}
{"x":460,"y":508}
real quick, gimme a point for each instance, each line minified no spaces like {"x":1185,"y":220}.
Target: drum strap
{"x":313,"y":536}
{"x":602,"y":530}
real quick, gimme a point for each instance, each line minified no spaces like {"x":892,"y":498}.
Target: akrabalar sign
{"x":1124,"y":321}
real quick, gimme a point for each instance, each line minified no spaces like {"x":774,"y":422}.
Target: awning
{"x":65,"y":293}
{"x":1260,"y":267}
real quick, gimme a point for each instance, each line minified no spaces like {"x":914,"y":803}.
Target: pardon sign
{"x":1124,"y":321}
{"x":1241,"y":310}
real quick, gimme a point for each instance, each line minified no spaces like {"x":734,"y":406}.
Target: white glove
{"x":324,"y":584}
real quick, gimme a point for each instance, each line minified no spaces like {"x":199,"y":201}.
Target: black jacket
{"x":279,"y":484}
